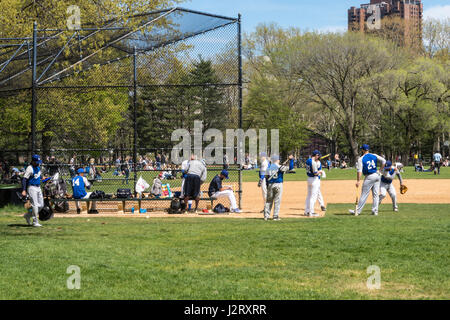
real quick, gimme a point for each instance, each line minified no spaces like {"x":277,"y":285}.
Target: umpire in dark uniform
{"x":195,"y":176}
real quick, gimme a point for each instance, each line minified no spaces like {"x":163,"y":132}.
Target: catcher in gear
{"x":387,"y":176}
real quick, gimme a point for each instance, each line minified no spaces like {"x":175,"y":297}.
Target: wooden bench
{"x":121,"y":207}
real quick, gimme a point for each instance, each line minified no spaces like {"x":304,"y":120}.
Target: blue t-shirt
{"x":369,"y":164}
{"x":79,"y":188}
{"x":274,"y":171}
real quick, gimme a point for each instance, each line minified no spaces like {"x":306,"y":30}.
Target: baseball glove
{"x":403,"y":189}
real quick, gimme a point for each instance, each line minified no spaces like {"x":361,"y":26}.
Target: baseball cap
{"x":388,"y":164}
{"x":365,"y":147}
{"x":316,"y":152}
{"x":224,"y":173}
{"x":36,"y":158}
{"x":80,"y":170}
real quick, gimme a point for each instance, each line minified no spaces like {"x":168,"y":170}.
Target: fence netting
{"x":108,"y":98}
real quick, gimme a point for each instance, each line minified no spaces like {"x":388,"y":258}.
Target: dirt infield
{"x":343,"y":191}
{"x":294,"y":195}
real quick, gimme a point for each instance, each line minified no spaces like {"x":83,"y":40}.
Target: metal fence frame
{"x":33,"y":45}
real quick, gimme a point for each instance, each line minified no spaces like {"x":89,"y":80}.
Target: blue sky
{"x":323,"y":15}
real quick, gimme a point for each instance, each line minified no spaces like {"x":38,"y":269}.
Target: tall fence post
{"x":240,"y":100}
{"x":135,"y":118}
{"x":33,"y":91}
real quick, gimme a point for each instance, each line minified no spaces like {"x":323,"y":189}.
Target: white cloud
{"x":437,"y":12}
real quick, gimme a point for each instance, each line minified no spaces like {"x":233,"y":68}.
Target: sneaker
{"x":276,"y":219}
{"x":27,"y":217}
{"x":353,"y":212}
{"x":396,"y":210}
{"x":237,"y":211}
{"x":266,"y":219}
{"x":323,"y":208}
{"x":93,"y":212}
{"x":36,"y":224}
{"x":374,"y":213}
{"x":307,"y":214}
{"x":78,"y":211}
{"x":314,"y":215}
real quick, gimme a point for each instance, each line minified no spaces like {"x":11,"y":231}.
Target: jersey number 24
{"x":371,"y":165}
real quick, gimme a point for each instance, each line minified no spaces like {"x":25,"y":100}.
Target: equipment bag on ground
{"x":124,"y":193}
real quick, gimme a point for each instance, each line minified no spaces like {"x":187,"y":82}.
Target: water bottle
{"x":132,"y":209}
{"x":189,"y":204}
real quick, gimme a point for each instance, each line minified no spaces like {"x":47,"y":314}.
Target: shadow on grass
{"x":19,"y":226}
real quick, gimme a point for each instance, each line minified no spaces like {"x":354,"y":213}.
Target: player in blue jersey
{"x":79,"y":185}
{"x":274,"y":179}
{"x":312,"y":171}
{"x":387,"y":177}
{"x":31,"y":184}
{"x":367,"y":165}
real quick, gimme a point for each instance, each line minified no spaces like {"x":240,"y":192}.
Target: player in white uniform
{"x":367,"y":165}
{"x":312,"y":171}
{"x":31,"y":185}
{"x":387,"y":177}
{"x":262,"y":179}
{"x":274,"y":180}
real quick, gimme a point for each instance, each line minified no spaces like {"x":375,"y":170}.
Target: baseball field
{"x":157,"y":256}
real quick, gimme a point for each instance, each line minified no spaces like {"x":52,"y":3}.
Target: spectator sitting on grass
{"x":419,"y":167}
{"x":344,"y":165}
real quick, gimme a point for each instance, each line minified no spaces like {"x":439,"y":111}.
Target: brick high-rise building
{"x":410,"y":13}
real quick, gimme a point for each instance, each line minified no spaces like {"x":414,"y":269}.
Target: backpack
{"x":124,"y":193}
{"x":175,"y":206}
{"x":219,"y":208}
{"x":98,"y":194}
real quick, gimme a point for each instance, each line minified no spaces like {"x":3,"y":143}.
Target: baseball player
{"x":387,"y":176}
{"x":262,"y":177}
{"x":312,"y":171}
{"x":319,"y":194}
{"x":437,"y":157}
{"x":31,"y":184}
{"x":274,"y":180}
{"x":367,"y":165}
{"x":79,"y":185}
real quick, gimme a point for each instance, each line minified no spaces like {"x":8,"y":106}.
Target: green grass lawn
{"x":200,"y":258}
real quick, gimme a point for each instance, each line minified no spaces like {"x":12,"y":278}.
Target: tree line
{"x":352,"y":88}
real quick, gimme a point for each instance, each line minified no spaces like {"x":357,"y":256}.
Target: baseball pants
{"x":227,"y":194}
{"x":264,"y":189}
{"x":273,"y":199}
{"x":36,"y":200}
{"x":389,"y":188}
{"x":371,"y":183}
{"x":313,"y":194}
{"x":93,"y":203}
{"x":320,"y":198}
